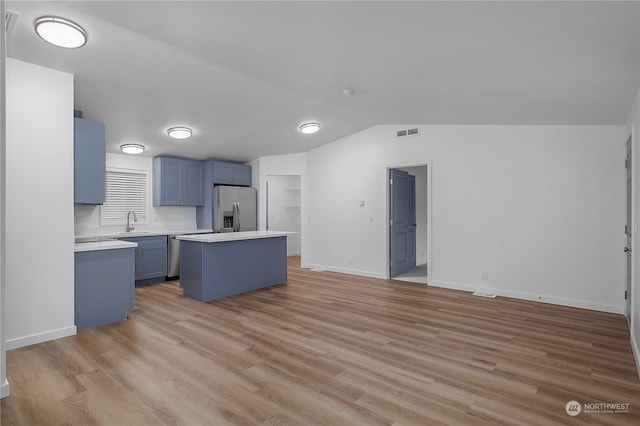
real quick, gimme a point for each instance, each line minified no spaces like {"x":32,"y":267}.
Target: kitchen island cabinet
{"x":104,"y":282}
{"x":213,"y":266}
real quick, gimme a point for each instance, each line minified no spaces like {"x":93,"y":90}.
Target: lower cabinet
{"x":151,"y":259}
{"x":104,"y":286}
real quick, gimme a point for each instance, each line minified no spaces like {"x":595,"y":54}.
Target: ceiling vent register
{"x":10,"y":19}
{"x":407,"y":132}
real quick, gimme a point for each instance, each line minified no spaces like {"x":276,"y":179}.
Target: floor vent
{"x":485,"y":294}
{"x":408,"y":132}
{"x":10,"y":20}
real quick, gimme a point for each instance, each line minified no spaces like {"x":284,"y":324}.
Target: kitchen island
{"x":213,"y":266}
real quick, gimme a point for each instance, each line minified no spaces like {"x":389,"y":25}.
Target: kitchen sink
{"x":93,"y":239}
{"x":110,"y":237}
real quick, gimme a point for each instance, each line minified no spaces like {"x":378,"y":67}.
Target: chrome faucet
{"x":135,"y":219}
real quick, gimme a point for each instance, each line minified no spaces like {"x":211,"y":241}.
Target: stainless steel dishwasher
{"x":173,"y":257}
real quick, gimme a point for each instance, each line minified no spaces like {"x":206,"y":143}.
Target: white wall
{"x":4,"y":384}
{"x":539,"y":208}
{"x":87,"y":217}
{"x":39,"y":204}
{"x":284,"y":208}
{"x":633,"y":128}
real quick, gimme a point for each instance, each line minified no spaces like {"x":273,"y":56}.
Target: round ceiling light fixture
{"x":132,"y":148}
{"x":180,"y":132}
{"x":60,"y":32}
{"x":309,"y":128}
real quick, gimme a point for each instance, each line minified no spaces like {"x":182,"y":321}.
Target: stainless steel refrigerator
{"x":234,"y":209}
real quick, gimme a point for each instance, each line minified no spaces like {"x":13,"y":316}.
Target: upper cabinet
{"x":193,"y":177}
{"x":178,"y":182}
{"x":89,"y":159}
{"x":225,"y":173}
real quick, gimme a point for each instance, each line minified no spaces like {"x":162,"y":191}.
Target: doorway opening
{"x":409,"y":233}
{"x":283,"y":209}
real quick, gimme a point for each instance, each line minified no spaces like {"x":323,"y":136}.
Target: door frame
{"x":403,"y":224}
{"x":265,"y":215}
{"x":429,"y":256}
{"x":629,"y":233}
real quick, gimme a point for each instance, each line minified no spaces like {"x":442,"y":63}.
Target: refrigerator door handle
{"x":218,"y":221}
{"x":238,"y":212}
{"x":235,"y":217}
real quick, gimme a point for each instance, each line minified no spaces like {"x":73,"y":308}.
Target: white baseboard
{"x":344,"y":270}
{"x":4,"y":389}
{"x":20,"y":342}
{"x":293,"y":253}
{"x":575,"y":303}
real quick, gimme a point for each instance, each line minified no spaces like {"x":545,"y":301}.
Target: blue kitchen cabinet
{"x":151,"y":259}
{"x":103,"y":286}
{"x":178,"y":182}
{"x":226,"y":173}
{"x":89,"y":161}
{"x":167,"y":181}
{"x":193,"y":189}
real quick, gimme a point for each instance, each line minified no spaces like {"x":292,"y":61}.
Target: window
{"x":126,"y":190}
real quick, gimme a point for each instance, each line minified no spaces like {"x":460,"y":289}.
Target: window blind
{"x":125,"y":191}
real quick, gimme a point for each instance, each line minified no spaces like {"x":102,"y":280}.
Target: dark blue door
{"x":402,"y":226}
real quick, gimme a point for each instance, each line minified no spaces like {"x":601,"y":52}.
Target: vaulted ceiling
{"x":245,"y":75}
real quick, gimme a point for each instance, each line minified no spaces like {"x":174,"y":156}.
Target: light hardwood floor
{"x":329,"y":349}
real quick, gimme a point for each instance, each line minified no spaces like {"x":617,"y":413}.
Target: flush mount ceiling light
{"x":132,"y":148}
{"x":60,"y":32}
{"x":180,"y":132}
{"x":309,"y":128}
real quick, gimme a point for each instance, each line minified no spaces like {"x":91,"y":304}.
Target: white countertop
{"x":233,"y":236}
{"x":134,"y":233}
{"x":103,"y":245}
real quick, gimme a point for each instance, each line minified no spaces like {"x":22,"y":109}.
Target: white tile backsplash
{"x":87,"y":220}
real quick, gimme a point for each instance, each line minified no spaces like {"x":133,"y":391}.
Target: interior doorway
{"x":416,"y":223}
{"x":283,"y":208}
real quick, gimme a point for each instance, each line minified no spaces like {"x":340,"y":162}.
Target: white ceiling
{"x":244,"y":75}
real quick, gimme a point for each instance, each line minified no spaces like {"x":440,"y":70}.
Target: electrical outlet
{"x":485,"y":276}
{"x":349,"y":261}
